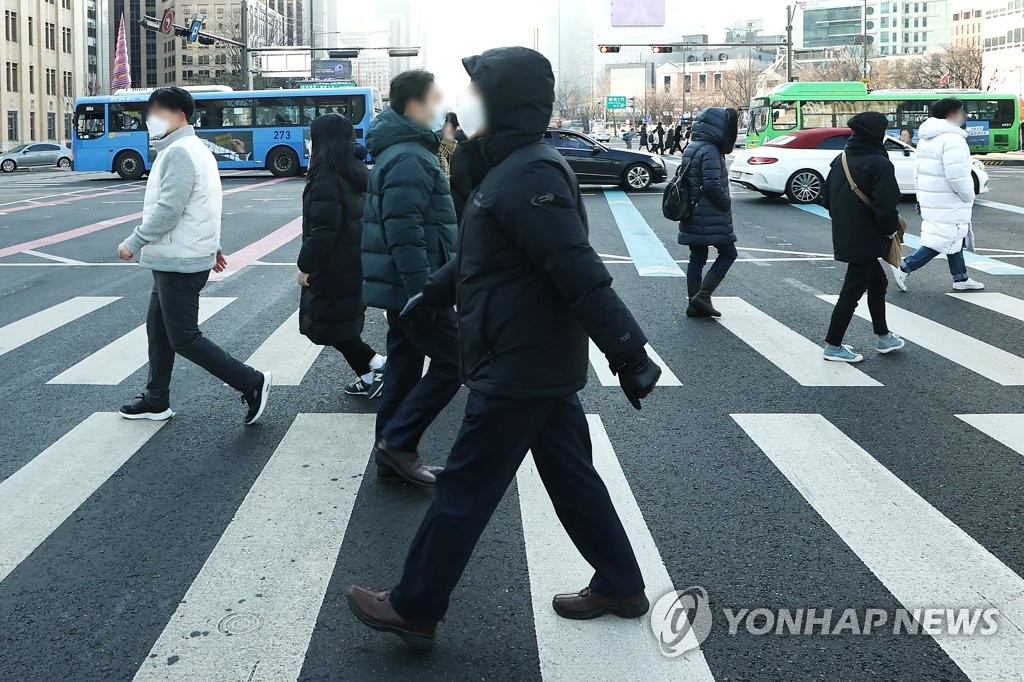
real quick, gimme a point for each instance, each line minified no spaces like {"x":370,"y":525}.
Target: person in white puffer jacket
{"x":945,"y":193}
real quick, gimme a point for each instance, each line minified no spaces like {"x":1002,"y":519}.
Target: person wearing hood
{"x":645,"y":138}
{"x":409,"y":232}
{"x":658,"y":144}
{"x":712,"y":136}
{"x":530,"y":291}
{"x":945,"y":193}
{"x":331,"y":305}
{"x":670,"y":140}
{"x":862,"y":233}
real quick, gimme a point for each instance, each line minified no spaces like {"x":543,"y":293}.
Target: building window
{"x":51,"y":36}
{"x":31,"y":79}
{"x":69,"y":84}
{"x":11,"y":26}
{"x":51,"y":81}
{"x":66,"y":4}
{"x":31,"y":33}
{"x":68,"y":121}
{"x":31,"y":125}
{"x":667,"y":82}
{"x":66,"y":40}
{"x":12,"y":126}
{"x":51,"y":125}
{"x":12,"y":76}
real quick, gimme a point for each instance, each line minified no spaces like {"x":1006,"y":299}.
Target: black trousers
{"x":866,"y":276}
{"x":357,"y":354}
{"x":172,"y":326}
{"x":495,"y":437}
{"x":411,"y":400}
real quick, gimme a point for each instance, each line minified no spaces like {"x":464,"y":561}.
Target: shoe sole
{"x":891,"y":349}
{"x":356,"y":393}
{"x":968,"y":288}
{"x":631,"y":611}
{"x":264,"y":396}
{"x":151,"y":416}
{"x":851,"y":361}
{"x":414,"y":640}
{"x":380,"y":457}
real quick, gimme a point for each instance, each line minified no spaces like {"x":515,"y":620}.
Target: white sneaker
{"x":968,"y":285}
{"x":899,"y":276}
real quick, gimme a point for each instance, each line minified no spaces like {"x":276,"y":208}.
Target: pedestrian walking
{"x":862,"y":233}
{"x":945,"y":194}
{"x":670,"y":140}
{"x":179,"y":241}
{"x":530,"y":290}
{"x":710,"y":224}
{"x":627,"y":137}
{"x":331,"y":309}
{"x":677,"y":139}
{"x":645,"y":138}
{"x":409,"y":232}
{"x":659,"y":139}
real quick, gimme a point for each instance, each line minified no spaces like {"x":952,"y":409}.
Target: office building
{"x":1003,"y":47}
{"x":893,"y":27}
{"x":967,"y":27}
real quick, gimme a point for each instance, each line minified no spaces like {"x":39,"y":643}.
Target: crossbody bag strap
{"x":853,"y":185}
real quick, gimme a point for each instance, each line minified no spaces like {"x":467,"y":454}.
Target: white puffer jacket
{"x":945,"y":186}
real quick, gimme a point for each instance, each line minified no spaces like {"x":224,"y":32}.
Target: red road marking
{"x":258,"y":249}
{"x":102,"y":225}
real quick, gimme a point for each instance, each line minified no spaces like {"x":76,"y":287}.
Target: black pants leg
{"x":178,"y":299}
{"x":161,"y":355}
{"x":495,"y":436}
{"x":861,"y":277}
{"x":357,"y":354}
{"x":726,"y":257}
{"x":411,"y":402}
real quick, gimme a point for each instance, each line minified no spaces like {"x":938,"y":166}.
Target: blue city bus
{"x":244,"y":129}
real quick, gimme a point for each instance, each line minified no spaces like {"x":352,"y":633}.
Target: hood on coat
{"x":717,"y":126}
{"x":391,"y":128}
{"x":868,"y":134}
{"x":933,"y":127}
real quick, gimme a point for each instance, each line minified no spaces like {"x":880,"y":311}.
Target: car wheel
{"x":770,"y":195}
{"x":283,"y":162}
{"x":637,"y":176}
{"x":8,"y":166}
{"x":804,"y":187}
{"x":64,"y":162}
{"x":977,"y":184}
{"x":129,"y":166}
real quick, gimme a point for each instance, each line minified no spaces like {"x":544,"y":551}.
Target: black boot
{"x":692,"y":287}
{"x":700,"y":305}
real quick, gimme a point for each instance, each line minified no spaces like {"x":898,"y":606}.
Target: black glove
{"x":637,"y":378}
{"x":418,"y":313}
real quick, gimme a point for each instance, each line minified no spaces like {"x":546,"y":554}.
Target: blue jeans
{"x":920,"y":258}
{"x":699,"y":256}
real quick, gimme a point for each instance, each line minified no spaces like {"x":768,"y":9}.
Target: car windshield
{"x":19,"y":148}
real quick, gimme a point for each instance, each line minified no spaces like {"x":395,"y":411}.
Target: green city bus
{"x":993,"y":119}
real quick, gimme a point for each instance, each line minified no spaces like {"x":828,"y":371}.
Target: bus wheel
{"x":129,"y":166}
{"x":283,"y":162}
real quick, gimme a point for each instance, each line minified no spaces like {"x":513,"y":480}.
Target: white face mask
{"x":470,"y":111}
{"x":437,"y":121}
{"x":157,"y":126}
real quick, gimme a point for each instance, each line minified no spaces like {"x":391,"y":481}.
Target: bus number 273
{"x":282,"y":134}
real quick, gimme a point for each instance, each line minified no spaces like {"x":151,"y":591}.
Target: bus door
{"x":90,"y":145}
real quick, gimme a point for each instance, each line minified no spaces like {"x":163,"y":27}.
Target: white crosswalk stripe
{"x":921,"y":556}
{"x":20,"y":332}
{"x":604,"y":374}
{"x":119,"y":359}
{"x":37,"y":498}
{"x":990,"y":300}
{"x":257,"y":597}
{"x":1008,"y":429}
{"x":286,"y":353}
{"x":617,"y":647}
{"x":795,"y":355}
{"x":990,"y":362}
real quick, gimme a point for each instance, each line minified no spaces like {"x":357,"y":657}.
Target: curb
{"x":1002,"y":162}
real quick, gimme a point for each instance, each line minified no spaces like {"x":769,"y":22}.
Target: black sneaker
{"x":143,"y":409}
{"x":256,"y":399}
{"x":370,"y":390}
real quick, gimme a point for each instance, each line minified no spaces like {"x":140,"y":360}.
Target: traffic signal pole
{"x":245,"y":48}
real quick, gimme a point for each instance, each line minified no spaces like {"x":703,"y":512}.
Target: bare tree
{"x":567,"y":100}
{"x":962,"y":66}
{"x":846,"y":65}
{"x":740,"y":85}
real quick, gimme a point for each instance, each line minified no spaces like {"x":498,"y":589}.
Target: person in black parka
{"x":712,"y":136}
{"x":530,"y":291}
{"x":861,"y":234}
{"x":330,"y":270}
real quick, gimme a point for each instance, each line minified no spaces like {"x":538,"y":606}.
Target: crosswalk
{"x":795,"y":352}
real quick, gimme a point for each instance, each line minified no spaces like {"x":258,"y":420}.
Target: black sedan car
{"x":596,"y":164}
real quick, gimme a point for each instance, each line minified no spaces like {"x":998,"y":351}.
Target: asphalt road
{"x":202,"y":550}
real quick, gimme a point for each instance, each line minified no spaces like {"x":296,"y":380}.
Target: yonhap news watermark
{"x":681,"y":620}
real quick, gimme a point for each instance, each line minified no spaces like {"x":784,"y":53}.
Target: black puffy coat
{"x":707,"y":177}
{"x":859,"y":232}
{"x":529,"y":287}
{"x":331,"y":308}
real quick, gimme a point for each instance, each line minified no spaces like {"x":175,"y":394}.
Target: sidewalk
{"x":1001,"y":159}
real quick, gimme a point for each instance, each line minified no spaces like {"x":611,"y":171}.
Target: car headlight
{"x":658,"y":161}
{"x":978,"y":165}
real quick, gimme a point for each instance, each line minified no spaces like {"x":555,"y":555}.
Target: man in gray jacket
{"x":179,"y":240}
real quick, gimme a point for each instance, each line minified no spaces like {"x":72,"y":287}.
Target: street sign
{"x":167,"y":25}
{"x":197,"y":25}
{"x":615,"y":101}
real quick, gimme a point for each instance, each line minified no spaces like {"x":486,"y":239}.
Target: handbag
{"x":676,"y":203}
{"x":894,"y":255}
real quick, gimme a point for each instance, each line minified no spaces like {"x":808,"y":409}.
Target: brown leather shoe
{"x":586,"y":604}
{"x":373,"y":608}
{"x":408,"y":465}
{"x":389,"y":476}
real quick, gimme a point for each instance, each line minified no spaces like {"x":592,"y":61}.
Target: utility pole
{"x":246,"y":70}
{"x":790,"y":12}
{"x":864,"y":38}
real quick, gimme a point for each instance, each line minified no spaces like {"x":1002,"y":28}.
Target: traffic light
{"x":347,"y":53}
{"x":661,"y":49}
{"x":605,"y":49}
{"x":205,"y":39}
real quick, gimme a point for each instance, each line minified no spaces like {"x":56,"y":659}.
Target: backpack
{"x":676,"y":202}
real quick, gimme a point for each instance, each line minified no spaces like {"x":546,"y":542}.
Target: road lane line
{"x":1008,"y":429}
{"x":37,"y":498}
{"x":650,"y":256}
{"x":999,"y":206}
{"x":256,"y":599}
{"x":600,"y":364}
{"x":121,"y":358}
{"x":66,"y":200}
{"x":996,"y":302}
{"x":794,"y":354}
{"x":286,"y":353}
{"x":616,"y":647}
{"x":30,"y":328}
{"x":57,"y":259}
{"x":990,"y":362}
{"x":922,"y":558}
{"x":248,"y":255}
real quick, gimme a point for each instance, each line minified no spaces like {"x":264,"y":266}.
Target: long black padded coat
{"x":711,"y":221}
{"x":331,"y":308}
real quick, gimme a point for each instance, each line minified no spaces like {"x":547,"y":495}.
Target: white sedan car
{"x":796,"y":164}
{"x":602,"y":135}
